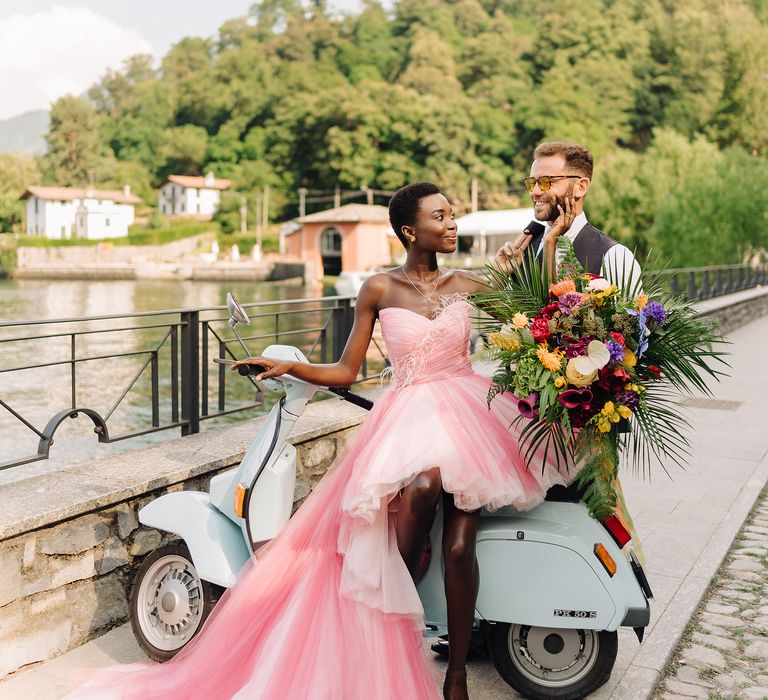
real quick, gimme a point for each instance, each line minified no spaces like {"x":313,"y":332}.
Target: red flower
{"x":619,"y":338}
{"x":575,"y":398}
{"x":540,"y":330}
{"x":548,"y":311}
{"x":612,"y":379}
{"x":654,"y":370}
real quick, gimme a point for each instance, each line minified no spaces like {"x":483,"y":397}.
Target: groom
{"x":561,"y":174}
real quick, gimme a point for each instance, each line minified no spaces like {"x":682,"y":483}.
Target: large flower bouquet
{"x":597,"y":370}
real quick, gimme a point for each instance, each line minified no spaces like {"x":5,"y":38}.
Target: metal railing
{"x":700,"y":283}
{"x":171,"y":350}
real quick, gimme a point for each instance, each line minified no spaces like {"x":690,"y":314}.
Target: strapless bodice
{"x":425,"y":349}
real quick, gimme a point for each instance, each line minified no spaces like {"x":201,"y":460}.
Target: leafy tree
{"x":17,"y":172}
{"x":74,"y":146}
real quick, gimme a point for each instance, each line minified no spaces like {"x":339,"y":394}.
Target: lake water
{"x":38,"y":394}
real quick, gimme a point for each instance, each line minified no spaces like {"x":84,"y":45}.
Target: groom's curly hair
{"x":404,"y":206}
{"x":576,"y":157}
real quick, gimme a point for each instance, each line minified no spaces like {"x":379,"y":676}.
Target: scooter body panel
{"x":539,"y":568}
{"x":271,"y":500}
{"x":215,"y":543}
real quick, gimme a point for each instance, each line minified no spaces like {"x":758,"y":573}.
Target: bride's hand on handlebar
{"x":273,"y":368}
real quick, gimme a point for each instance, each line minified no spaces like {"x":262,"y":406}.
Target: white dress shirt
{"x":618,"y":259}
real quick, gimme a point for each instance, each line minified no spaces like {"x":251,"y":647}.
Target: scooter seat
{"x":564,"y":494}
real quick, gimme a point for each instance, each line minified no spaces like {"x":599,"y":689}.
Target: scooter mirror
{"x":236,"y":312}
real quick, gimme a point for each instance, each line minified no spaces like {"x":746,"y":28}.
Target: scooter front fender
{"x":215,"y":543}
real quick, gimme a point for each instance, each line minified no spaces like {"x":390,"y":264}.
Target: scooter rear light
{"x":240,"y":491}
{"x":605,"y":559}
{"x":616,"y":530}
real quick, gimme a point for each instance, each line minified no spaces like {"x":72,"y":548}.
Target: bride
{"x":328,"y":610}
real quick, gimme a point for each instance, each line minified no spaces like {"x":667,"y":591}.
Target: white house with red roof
{"x":191,"y":196}
{"x":71,"y":212}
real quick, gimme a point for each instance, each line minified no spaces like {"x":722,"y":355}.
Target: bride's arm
{"x":343,"y":372}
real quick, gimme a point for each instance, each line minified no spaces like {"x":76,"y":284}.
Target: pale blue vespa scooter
{"x":555,"y":584}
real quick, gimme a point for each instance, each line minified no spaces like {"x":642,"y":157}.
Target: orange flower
{"x":562,"y":287}
{"x":551,"y":360}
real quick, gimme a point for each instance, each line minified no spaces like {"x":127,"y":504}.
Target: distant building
{"x":70,"y":212}
{"x":351,"y":237}
{"x":482,"y":233}
{"x":190,"y":196}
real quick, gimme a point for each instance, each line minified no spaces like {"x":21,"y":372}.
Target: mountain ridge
{"x":25,"y":133}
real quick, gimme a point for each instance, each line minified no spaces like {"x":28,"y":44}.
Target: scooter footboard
{"x":215,"y":543}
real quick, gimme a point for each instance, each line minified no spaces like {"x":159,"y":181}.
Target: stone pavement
{"x":687,"y":523}
{"x":724,"y":651}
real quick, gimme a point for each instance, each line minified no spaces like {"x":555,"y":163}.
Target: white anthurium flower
{"x":598,"y":284}
{"x":596,"y":358}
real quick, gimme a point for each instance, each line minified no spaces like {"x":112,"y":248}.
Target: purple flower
{"x":573,"y":398}
{"x":656,"y":311}
{"x":568,"y":302}
{"x":617,"y":352}
{"x":630,"y":399}
{"x":527,"y":406}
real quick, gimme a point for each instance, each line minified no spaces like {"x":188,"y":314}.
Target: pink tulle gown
{"x":327,"y":610}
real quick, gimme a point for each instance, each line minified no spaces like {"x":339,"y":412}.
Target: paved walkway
{"x":687,"y":525}
{"x":724,"y":652}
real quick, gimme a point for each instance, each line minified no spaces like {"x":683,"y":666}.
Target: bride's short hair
{"x":405,"y":204}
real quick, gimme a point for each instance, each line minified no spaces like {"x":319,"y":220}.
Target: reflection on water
{"x":39,"y":393}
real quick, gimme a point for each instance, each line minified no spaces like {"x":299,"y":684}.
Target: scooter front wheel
{"x":169,"y":601}
{"x":546,"y":662}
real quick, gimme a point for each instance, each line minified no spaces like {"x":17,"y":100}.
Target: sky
{"x":49,"y":48}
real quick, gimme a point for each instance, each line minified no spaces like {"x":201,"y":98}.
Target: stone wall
{"x":66,"y":582}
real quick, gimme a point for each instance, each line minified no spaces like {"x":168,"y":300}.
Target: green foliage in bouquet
{"x":597,"y":370}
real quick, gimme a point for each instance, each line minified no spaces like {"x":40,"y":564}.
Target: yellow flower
{"x":641,"y":301}
{"x":550,"y":360}
{"x":630,"y":359}
{"x":562,"y":287}
{"x":560,"y":382}
{"x":608,"y":414}
{"x":624,"y":411}
{"x":504,"y":342}
{"x":577,"y":378}
{"x":599,"y":297}
{"x":519,"y":321}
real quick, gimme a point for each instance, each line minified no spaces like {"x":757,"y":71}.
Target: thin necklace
{"x":434,"y":289}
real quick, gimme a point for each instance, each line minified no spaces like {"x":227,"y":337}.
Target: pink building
{"x":352,"y":237}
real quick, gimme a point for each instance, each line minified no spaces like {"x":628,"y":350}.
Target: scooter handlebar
{"x":245,"y":370}
{"x":347,"y":395}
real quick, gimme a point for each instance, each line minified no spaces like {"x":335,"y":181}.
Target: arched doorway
{"x":330,"y":251}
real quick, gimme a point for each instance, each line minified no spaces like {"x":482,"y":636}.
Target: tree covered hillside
{"x":670,"y":95}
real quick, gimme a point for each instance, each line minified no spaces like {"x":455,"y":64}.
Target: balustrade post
{"x":343,"y":315}
{"x":691,"y":294}
{"x":190,"y":371}
{"x":705,"y":290}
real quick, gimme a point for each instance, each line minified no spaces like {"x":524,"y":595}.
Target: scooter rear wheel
{"x":544,"y":663}
{"x":169,"y":601}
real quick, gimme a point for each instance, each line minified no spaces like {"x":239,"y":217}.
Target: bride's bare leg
{"x":462,"y":578}
{"x":415,"y":515}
